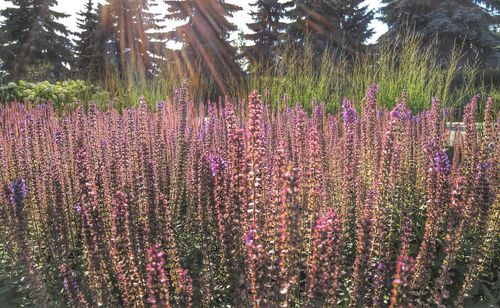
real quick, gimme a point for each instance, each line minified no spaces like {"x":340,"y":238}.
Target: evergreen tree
{"x":206,"y":51}
{"x":118,"y":21}
{"x":34,"y":44}
{"x":267,"y":28}
{"x":491,"y":6}
{"x":354,"y":23}
{"x":152,"y":33}
{"x":88,"y":54}
{"x":337,"y":24}
{"x":107,"y":36}
{"x":133,"y":32}
{"x":314,"y":21}
{"x":469,"y":23}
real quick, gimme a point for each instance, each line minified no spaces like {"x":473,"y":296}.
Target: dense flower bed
{"x":248,"y":206}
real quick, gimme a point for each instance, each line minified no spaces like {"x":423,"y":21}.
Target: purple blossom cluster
{"x":19,"y":191}
{"x":245,"y":206}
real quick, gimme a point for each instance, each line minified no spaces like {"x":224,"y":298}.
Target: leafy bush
{"x":249,"y":206}
{"x":60,"y":93}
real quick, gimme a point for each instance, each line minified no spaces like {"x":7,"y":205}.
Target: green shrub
{"x":59,"y":93}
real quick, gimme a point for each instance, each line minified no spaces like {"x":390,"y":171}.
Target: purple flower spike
{"x":435,"y":103}
{"x":481,"y":169}
{"x":318,"y":111}
{"x":217,"y":164}
{"x":78,"y":208}
{"x":442,"y":162}
{"x":400,"y":112}
{"x":349,"y":114}
{"x":66,"y":284}
{"x":396,"y":112}
{"x":19,"y":191}
{"x":372,"y":92}
{"x":249,"y":237}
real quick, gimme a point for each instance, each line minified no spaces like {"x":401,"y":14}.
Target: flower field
{"x":243,"y":205}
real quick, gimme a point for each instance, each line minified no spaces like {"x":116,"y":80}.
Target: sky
{"x":241,"y":18}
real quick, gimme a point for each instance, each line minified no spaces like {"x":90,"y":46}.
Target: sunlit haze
{"x":241,"y":18}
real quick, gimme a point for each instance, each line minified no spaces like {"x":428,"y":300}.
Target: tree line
{"x":129,"y":36}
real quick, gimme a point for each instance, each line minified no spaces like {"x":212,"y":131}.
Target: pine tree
{"x":491,"y":6}
{"x":206,"y":52}
{"x":134,"y":46}
{"x":146,"y":39}
{"x":35,"y":45}
{"x":107,"y":37}
{"x":152,"y":32}
{"x":336,"y":24}
{"x":316,"y":22}
{"x":88,"y":54}
{"x":354,"y":23}
{"x":118,"y":21}
{"x":268,"y":28}
{"x":468,"y":23}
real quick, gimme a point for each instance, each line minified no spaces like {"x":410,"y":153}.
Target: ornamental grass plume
{"x":243,"y":205}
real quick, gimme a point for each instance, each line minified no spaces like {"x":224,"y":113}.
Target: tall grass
{"x":127,"y":87}
{"x":403,"y":64}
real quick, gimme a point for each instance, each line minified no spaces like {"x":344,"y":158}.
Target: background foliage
{"x":59,"y":93}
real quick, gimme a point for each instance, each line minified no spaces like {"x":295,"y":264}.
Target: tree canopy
{"x":34,"y":44}
{"x":335,"y":24}
{"x":206,"y":50}
{"x":267,"y":28}
{"x":468,"y":22}
{"x":130,"y":35}
{"x":87,"y":50}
